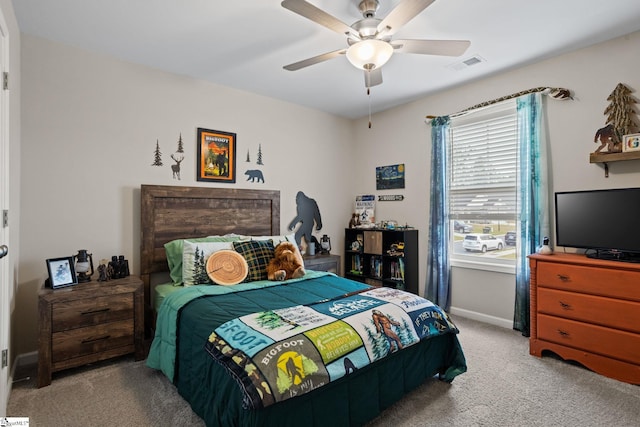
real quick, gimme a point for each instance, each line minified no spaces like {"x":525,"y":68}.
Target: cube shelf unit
{"x":369,"y":257}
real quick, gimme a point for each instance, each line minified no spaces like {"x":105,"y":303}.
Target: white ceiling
{"x":245,"y":43}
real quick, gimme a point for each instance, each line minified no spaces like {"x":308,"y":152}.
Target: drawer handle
{"x":101,"y":310}
{"x":563,"y":278}
{"x":563,"y":334}
{"x":565,"y":306}
{"x":90,"y":340}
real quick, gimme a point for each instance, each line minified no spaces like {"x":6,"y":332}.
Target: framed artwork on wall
{"x":61,"y":272}
{"x":390,"y":177}
{"x":216,"y":156}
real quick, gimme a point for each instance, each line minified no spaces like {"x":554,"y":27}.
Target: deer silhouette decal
{"x":176,"y":168}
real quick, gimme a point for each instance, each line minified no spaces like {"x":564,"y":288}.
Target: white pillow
{"x":194,"y":269}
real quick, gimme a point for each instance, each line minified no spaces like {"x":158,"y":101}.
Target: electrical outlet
{"x":5,"y":353}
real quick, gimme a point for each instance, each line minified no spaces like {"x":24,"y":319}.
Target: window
{"x":483,"y":166}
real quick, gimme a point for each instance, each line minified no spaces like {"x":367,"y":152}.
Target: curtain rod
{"x":559,"y":93}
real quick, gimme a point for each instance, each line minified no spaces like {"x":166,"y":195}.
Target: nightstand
{"x":89,"y":322}
{"x":330,"y":263}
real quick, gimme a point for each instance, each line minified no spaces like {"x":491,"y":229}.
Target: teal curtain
{"x":533,"y":198}
{"x":438,"y":266}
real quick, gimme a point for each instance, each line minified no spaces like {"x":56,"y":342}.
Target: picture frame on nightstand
{"x":61,"y":272}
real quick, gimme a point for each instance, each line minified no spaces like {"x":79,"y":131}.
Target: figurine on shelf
{"x":355,"y":220}
{"x":608,"y":138}
{"x":102,"y":271}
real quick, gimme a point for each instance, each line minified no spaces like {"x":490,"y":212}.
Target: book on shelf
{"x":356,"y":265}
{"x":376,"y":266}
{"x":396,"y":270}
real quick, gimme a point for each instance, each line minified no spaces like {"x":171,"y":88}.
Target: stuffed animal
{"x":286,"y":263}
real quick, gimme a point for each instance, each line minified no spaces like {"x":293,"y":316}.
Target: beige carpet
{"x":504,"y":386}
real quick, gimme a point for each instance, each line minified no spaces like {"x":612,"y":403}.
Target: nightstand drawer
{"x":95,"y":339}
{"x":330,"y":263}
{"x":91,"y":311}
{"x":610,"y":312}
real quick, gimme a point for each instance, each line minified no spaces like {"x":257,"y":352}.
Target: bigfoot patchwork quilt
{"x":279,"y":354}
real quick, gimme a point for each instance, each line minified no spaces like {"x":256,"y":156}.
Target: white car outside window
{"x":482,"y":242}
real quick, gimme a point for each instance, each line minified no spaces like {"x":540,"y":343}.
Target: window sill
{"x":484,"y":265}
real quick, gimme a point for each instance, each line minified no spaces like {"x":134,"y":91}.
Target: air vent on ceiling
{"x":469,"y":62}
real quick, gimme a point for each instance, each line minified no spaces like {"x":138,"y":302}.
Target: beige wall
{"x":90,"y":124}
{"x":89,"y":133}
{"x":400,"y":135}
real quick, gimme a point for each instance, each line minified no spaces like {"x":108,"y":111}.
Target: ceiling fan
{"x":370,"y":38}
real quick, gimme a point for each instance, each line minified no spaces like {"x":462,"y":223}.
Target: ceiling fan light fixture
{"x":369,"y":54}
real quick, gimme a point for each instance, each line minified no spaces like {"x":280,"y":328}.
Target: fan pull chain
{"x":369,"y":94}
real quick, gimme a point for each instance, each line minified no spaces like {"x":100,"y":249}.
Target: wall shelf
{"x":605,"y":158}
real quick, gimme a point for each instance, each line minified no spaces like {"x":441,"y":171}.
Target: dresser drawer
{"x":608,"y":342}
{"x":597,"y":281}
{"x":614,"y":313}
{"x":91,"y":311}
{"x":95,"y":339}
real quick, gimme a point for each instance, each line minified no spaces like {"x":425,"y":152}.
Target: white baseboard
{"x":481,"y":317}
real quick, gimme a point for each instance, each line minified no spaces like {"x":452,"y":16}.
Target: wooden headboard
{"x":172,"y":212}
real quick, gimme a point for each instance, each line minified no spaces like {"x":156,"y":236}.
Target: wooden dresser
{"x":588,"y":311}
{"x":89,"y":322}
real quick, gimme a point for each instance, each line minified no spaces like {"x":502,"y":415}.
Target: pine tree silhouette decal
{"x":248,"y":159}
{"x":180,"y":145}
{"x":259,"y":162}
{"x":157,"y":160}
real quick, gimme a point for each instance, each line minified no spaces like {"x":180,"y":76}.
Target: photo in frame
{"x":631,"y":142}
{"x":216,"y":156}
{"x":61,"y":272}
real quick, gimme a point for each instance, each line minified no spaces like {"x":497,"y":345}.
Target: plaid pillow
{"x":258,"y":253}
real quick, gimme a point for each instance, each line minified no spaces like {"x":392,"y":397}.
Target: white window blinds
{"x":483,"y":164}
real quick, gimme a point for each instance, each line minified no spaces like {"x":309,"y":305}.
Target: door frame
{"x":6,"y":287}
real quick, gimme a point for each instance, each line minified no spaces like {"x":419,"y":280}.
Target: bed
{"x":189,"y":344}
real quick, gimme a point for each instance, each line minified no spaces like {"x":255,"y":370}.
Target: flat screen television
{"x":604,"y":222}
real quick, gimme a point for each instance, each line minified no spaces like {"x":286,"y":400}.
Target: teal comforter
{"x":162,"y":355}
{"x":188,"y":317}
{"x":276,"y":355}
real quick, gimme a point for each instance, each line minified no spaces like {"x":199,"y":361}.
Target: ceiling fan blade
{"x":314,"y":60}
{"x":432,"y":47}
{"x":373,"y":77}
{"x":319,"y":16}
{"x":401,"y":14}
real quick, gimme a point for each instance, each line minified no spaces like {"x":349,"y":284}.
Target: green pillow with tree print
{"x":194,"y":261}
